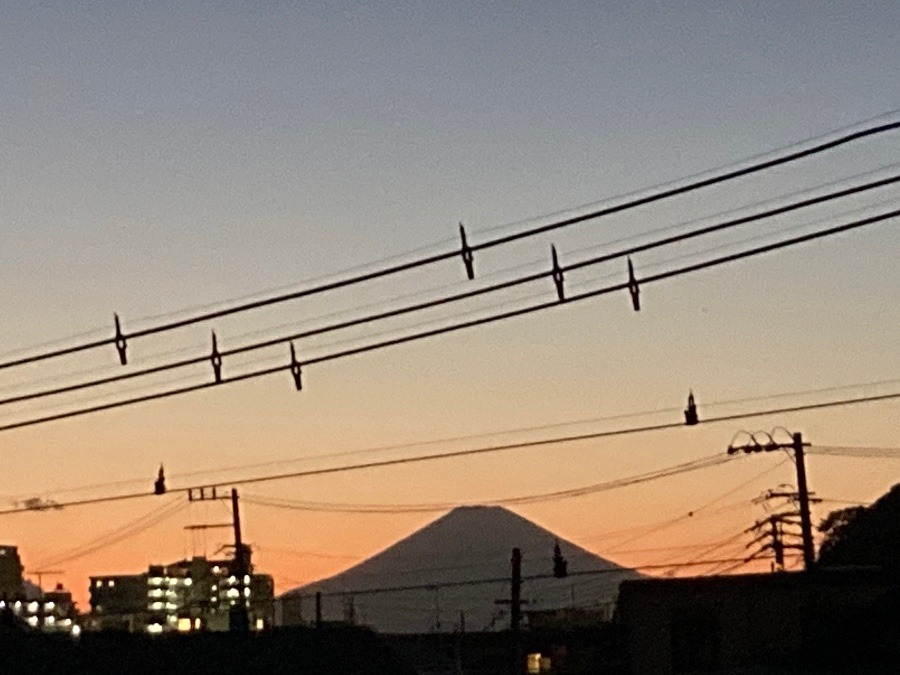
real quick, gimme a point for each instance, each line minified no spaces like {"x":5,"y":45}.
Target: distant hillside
{"x":465,"y":545}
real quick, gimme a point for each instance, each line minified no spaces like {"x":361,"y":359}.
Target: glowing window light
{"x":76,"y":630}
{"x":32,"y":621}
{"x":154,"y":628}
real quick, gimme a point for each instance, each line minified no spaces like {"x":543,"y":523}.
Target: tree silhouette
{"x":863,"y":536}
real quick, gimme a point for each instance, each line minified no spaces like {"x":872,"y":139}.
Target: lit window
{"x":2,"y":604}
{"x":215,"y":569}
{"x":246,"y":578}
{"x":65,"y":622}
{"x":232,"y":580}
{"x":49,"y":620}
{"x":76,"y":630}
{"x":184,"y":625}
{"x":98,"y":583}
{"x":534,"y":662}
{"x":49,"y":606}
{"x":156,"y":605}
{"x":247,"y":592}
{"x":154,"y":581}
{"x":233,"y":593}
{"x":32,"y":621}
{"x":18,"y":605}
{"x":214,"y":588}
{"x":33,"y":607}
{"x":154,"y":628}
{"x":188,"y":581}
{"x":155,"y":593}
{"x":260,"y":624}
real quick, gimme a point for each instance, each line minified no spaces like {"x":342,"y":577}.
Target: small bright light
{"x":246,"y":578}
{"x":154,"y":628}
{"x":233,"y":593}
{"x":2,"y":604}
{"x":260,"y":624}
{"x":232,"y":580}
{"x":197,"y":624}
{"x":152,"y":581}
{"x":534,"y":662}
{"x":216,"y":569}
{"x":65,"y":622}
{"x":49,"y":620}
{"x":172,"y":582}
{"x":98,"y":583}
{"x":156,"y":605}
{"x":155,"y":593}
{"x":32,"y":621}
{"x":247,"y":592}
{"x":188,"y":581}
{"x":76,"y":630}
{"x":32,"y":607}
{"x":184,"y":625}
{"x":49,"y":606}
{"x":112,"y":582}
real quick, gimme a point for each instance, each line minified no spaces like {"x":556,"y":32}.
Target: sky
{"x":159,"y":157}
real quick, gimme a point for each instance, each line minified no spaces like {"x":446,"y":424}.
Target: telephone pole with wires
{"x":797,"y":446}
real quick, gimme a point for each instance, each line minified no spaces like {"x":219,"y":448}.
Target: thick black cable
{"x":467,"y":453}
{"x":431,"y":304}
{"x":784,"y":243}
{"x":429,"y":260}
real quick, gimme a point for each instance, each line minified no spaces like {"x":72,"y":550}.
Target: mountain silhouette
{"x":468,"y":544}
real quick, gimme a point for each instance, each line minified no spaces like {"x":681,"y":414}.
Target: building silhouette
{"x":185,"y":596}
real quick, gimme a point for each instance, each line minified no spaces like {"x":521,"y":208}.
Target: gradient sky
{"x":162,"y":156}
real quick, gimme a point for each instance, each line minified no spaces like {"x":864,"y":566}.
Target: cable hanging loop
{"x":633,"y":287}
{"x":295,"y":369}
{"x":215,"y":358}
{"x":466,"y":253}
{"x":558,"y":277}
{"x":121,"y":344}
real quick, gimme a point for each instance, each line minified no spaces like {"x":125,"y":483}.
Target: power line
{"x":678,"y":469}
{"x":497,"y":580}
{"x":121,"y":337}
{"x":501,"y":432}
{"x":295,"y":366}
{"x":457,"y":297}
{"x":471,"y":452}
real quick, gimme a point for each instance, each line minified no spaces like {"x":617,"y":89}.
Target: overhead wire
{"x":470,"y":452}
{"x":688,"y":269}
{"x":654,"y":196}
{"x":678,"y":469}
{"x":369,"y":319}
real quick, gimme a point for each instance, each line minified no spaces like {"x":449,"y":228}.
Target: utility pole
{"x":515,"y":596}
{"x":318,"y":609}
{"x":238,"y":616}
{"x":769,"y":444}
{"x":809,"y":554}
